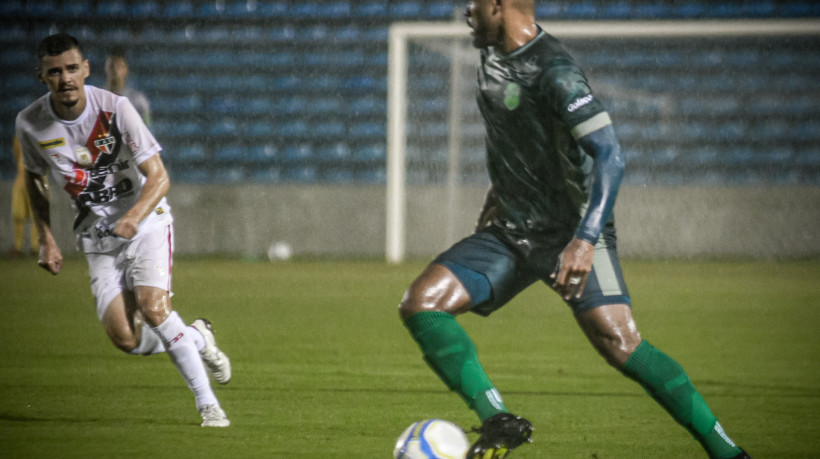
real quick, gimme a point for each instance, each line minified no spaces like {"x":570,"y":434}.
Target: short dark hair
{"x":54,"y":45}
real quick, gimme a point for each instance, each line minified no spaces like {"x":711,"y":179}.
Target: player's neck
{"x":518,"y":31}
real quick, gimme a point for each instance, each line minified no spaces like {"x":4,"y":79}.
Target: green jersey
{"x":535,"y":103}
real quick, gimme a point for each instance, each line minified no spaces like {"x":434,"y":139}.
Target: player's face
{"x":484,"y":17}
{"x":65,"y":76}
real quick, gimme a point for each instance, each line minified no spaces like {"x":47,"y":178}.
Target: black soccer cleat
{"x":500,"y":434}
{"x":743,"y":455}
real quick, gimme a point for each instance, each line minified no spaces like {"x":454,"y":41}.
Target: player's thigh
{"x":490,"y":270}
{"x":107,"y":273}
{"x":150,"y":260}
{"x":605,"y":283}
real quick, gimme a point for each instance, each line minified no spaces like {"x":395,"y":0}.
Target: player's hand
{"x":574,"y":265}
{"x":126,"y":228}
{"x":50,"y":258}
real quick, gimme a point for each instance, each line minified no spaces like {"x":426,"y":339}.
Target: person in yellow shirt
{"x":21,"y":208}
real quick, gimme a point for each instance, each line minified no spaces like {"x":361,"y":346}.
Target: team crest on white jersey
{"x":106,"y":144}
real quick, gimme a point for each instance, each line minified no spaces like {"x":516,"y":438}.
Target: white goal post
{"x":400,"y":34}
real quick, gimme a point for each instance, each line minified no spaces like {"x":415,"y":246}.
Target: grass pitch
{"x":322,"y":367}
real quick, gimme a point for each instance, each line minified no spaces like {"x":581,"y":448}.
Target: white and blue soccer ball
{"x":432,"y":439}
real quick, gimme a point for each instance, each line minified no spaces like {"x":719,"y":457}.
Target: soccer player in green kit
{"x":555,"y":167}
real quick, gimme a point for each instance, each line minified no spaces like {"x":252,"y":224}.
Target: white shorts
{"x":145,"y":261}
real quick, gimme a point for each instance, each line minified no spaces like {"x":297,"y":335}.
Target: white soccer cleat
{"x":215,"y":360}
{"x":213,"y":416}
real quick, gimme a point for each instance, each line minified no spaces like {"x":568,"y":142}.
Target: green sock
{"x":451,"y":354}
{"x":667,"y":382}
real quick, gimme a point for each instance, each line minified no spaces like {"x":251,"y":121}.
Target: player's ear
{"x":86,"y":68}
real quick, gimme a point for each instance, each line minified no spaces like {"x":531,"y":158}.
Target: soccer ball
{"x":432,"y":439}
{"x":279,"y":251}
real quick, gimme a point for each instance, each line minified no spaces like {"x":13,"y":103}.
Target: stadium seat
{"x":230,"y":153}
{"x":12,"y":8}
{"x":262,"y":153}
{"x":305,"y":174}
{"x":228,"y":175}
{"x":581,"y":10}
{"x":367,"y":130}
{"x":339,"y":151}
{"x":13,"y":33}
{"x":178,"y":9}
{"x":266,"y":175}
{"x":369,"y":9}
{"x":190,"y":174}
{"x":111,"y":8}
{"x":297,"y":153}
{"x":405,"y":9}
{"x":241,"y":8}
{"x":259,"y":129}
{"x":337,"y":176}
{"x":184,"y":153}
{"x":41,"y":9}
{"x":226,"y":127}
{"x":294,"y":128}
{"x":144,"y":9}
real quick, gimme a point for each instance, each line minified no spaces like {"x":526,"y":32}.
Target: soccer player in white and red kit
{"x":98,"y":149}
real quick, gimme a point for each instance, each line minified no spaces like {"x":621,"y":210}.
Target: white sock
{"x":196,"y":335}
{"x":150,"y":342}
{"x":179,"y":345}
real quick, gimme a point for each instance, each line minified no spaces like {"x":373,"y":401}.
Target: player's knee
{"x":616,"y":349}
{"x":435,"y":290}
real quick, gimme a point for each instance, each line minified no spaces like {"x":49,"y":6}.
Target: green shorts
{"x":495,"y":265}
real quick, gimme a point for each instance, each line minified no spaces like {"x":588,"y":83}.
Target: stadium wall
{"x":328,"y":220}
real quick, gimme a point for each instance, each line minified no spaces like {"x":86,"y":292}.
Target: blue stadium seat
{"x":111,"y":8}
{"x":12,"y":8}
{"x":262,"y":153}
{"x":370,"y":152}
{"x":272,"y":9}
{"x":374,"y":175}
{"x":178,"y":9}
{"x":259,"y":129}
{"x":305,"y":174}
{"x":211,"y":9}
{"x":190,"y":174}
{"x":41,"y":8}
{"x":73,"y":9}
{"x":112,"y":36}
{"x":169,"y":128}
{"x":549,"y":10}
{"x":225,"y":127}
{"x":15,"y":33}
{"x":297,"y":153}
{"x":690,"y":9}
{"x":368,"y":106}
{"x":266,"y":175}
{"x":144,"y":9}
{"x":228,"y":175}
{"x":369,"y":9}
{"x":185,"y":153}
{"x":293,"y":128}
{"x":327,"y":129}
{"x":226,"y":104}
{"x":339,"y":151}
{"x":444,"y":10}
{"x":16,"y":58}
{"x":652,"y":11}
{"x":337,"y":176}
{"x":616,"y":10}
{"x":241,"y":8}
{"x":581,"y":10}
{"x":230,"y":153}
{"x":405,"y":9}
{"x":367,"y":130}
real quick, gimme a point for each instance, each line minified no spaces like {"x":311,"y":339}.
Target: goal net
{"x":693,"y":102}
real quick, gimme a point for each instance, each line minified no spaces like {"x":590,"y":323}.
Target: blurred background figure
{"x":20,"y":208}
{"x":116,"y":81}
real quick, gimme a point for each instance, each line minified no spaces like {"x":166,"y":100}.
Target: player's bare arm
{"x":155,"y":188}
{"x":50,"y":258}
{"x":576,"y":260}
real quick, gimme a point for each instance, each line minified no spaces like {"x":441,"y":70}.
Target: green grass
{"x":322,"y":367}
